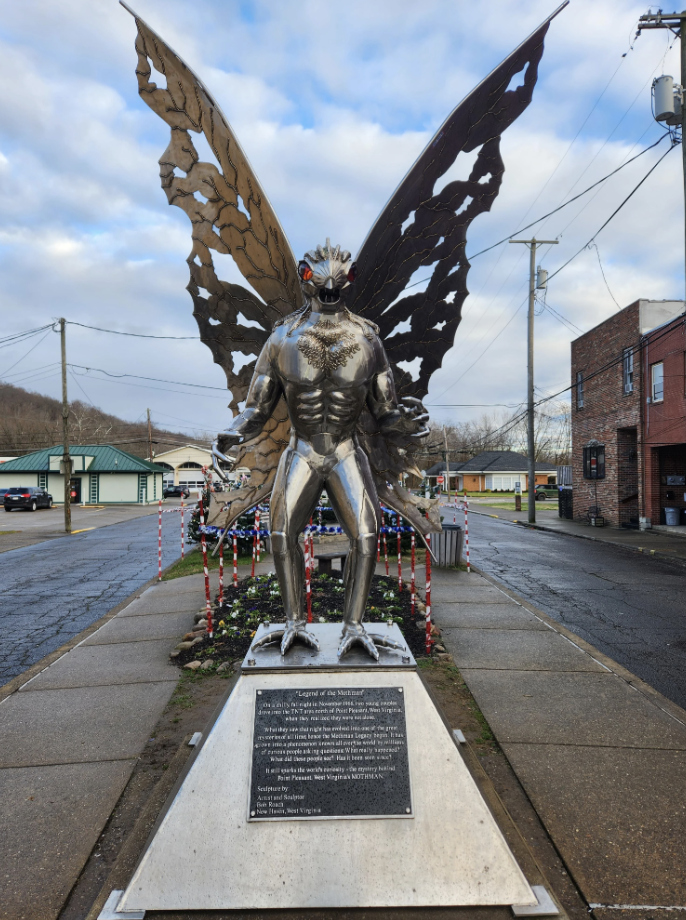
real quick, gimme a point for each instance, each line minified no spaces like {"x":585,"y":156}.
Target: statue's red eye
{"x":352,"y":272}
{"x":305,"y":272}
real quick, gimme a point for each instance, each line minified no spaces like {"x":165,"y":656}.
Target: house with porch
{"x":493,"y":471}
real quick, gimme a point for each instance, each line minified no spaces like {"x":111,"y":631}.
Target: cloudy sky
{"x":332,"y":103}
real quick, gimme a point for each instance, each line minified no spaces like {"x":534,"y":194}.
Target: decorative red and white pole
{"x":235,"y":560}
{"x":203,"y":541}
{"x":308,"y":590}
{"x":221,"y":573}
{"x":254,"y":540}
{"x":257,"y":530}
{"x":385,"y":543}
{"x":466,"y":530}
{"x":400,"y":561}
{"x":182,"y":547}
{"x":428,"y":597}
{"x":159,"y":543}
{"x":412,"y":588}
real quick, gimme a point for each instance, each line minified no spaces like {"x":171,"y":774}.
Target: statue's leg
{"x":294,"y":496}
{"x":353,"y":496}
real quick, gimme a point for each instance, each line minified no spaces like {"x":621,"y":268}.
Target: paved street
{"x":53,"y":590}
{"x":630,"y":606}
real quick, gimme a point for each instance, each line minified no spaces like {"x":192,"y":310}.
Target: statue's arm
{"x":262,"y":397}
{"x":397,"y":420}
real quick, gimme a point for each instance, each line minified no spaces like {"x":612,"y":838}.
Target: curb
{"x":18,"y":682}
{"x":666,"y":705}
{"x":584,"y":536}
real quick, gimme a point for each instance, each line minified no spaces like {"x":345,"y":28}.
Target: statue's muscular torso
{"x":326,"y":377}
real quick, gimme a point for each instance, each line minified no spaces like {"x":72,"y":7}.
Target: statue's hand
{"x":414,"y":417}
{"x":220,"y":452}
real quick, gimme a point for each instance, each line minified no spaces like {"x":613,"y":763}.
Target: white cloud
{"x":331,"y":108}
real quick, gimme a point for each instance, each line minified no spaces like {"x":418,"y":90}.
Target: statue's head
{"x":324,"y":274}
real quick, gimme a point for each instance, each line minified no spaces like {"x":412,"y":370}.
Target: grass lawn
{"x":510,"y":506}
{"x":191,"y":564}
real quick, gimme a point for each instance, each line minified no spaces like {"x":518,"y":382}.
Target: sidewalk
{"x":600,"y":756}
{"x":657,"y":541}
{"x":71,"y":737}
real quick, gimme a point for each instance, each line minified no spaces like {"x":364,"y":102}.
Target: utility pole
{"x":675,"y":23}
{"x":447,"y":461}
{"x":531,"y":441}
{"x":66,"y":459}
{"x":149,"y":437}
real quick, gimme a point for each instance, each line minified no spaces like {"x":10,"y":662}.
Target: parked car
{"x":545,"y":491}
{"x":175,"y":492}
{"x":26,"y":497}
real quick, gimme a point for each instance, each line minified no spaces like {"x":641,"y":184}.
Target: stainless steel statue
{"x":334,"y":341}
{"x":329,"y":365}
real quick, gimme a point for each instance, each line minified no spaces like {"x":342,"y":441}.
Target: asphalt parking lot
{"x":25,"y":528}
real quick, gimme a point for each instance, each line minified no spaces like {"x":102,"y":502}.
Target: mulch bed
{"x":255,"y":600}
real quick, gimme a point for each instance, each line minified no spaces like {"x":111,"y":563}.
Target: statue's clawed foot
{"x":356,"y":634}
{"x":294,"y":629}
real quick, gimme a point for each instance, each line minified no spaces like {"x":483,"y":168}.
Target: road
{"x":53,"y":590}
{"x":630,"y":606}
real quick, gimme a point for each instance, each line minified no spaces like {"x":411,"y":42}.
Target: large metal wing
{"x":424,"y":225}
{"x":228,"y":210}
{"x":423,"y":230}
{"x":229,"y":214}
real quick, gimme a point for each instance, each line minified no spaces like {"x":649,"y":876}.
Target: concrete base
{"x":450,"y":853}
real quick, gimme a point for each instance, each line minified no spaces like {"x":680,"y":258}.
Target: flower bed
{"x":256,"y":600}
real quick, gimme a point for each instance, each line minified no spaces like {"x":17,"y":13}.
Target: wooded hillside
{"x":30,"y":421}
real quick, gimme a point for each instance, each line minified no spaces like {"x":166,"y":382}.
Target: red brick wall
{"x":665,"y":423}
{"x":606,"y":412}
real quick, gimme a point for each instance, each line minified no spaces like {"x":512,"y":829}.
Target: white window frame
{"x":657,"y":382}
{"x":628,"y":370}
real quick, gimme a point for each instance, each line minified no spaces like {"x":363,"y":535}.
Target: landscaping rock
{"x":193,"y":665}
{"x":206,"y":665}
{"x":196,"y":640}
{"x":201,"y":623}
{"x":435,"y":631}
{"x":189,"y":637}
{"x":183,"y":645}
{"x":174,"y":654}
{"x":224,"y":666}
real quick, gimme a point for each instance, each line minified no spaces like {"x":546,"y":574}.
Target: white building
{"x":101,"y":475}
{"x":184,"y":465}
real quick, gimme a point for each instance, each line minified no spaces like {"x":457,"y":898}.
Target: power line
{"x":180,"y":383}
{"x":136,"y":335}
{"x":614,"y":213}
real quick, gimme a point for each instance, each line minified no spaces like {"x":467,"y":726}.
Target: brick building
{"x":622,"y":444}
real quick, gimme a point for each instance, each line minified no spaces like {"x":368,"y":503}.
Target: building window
{"x":628,"y":367}
{"x":579,"y":390}
{"x":42,"y":480}
{"x":594,"y":462}
{"x":657,"y":378}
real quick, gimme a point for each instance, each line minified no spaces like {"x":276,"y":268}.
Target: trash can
{"x":671,"y":516}
{"x":447,"y":545}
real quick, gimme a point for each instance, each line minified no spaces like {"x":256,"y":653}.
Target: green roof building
{"x":101,"y":475}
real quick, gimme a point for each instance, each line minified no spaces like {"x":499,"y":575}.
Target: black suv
{"x":29,"y":497}
{"x":175,"y":492}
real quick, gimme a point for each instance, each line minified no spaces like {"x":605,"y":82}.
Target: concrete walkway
{"x":666,"y":541}
{"x":70,"y":739}
{"x":601,"y":755}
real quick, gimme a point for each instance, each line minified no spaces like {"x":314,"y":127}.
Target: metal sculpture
{"x":321,"y":403}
